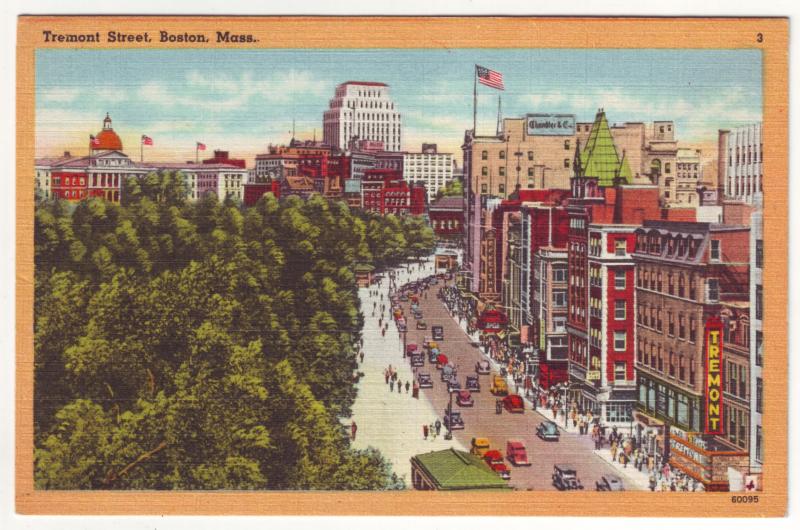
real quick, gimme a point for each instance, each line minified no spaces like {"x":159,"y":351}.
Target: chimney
{"x":67,"y":155}
{"x":722,"y":163}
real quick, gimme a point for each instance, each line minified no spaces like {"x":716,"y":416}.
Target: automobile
{"x":464,"y":399}
{"x":401,"y":326}
{"x":453,"y":420}
{"x":411,"y":348}
{"x":494,"y":459}
{"x":548,"y":430}
{"x":499,"y":386}
{"x":565,"y":478}
{"x":417,"y":359}
{"x":479,"y":446}
{"x":425,"y":380}
{"x":437,"y":332}
{"x":432,"y":356}
{"x":453,"y":385}
{"x":418,"y":315}
{"x":483,"y":367}
{"x":514,"y":403}
{"x":448,"y":372}
{"x":441,"y":361}
{"x":404,"y":297}
{"x":609,"y":483}
{"x":516,"y":453}
{"x":421,"y":324}
{"x":472,"y":384}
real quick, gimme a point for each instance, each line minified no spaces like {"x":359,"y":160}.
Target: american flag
{"x":201,"y":146}
{"x":489,"y":77}
{"x":146,"y":140}
{"x":94,"y":142}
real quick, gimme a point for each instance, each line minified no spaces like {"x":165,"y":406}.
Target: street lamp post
{"x":449,"y":434}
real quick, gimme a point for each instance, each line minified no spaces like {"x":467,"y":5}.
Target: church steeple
{"x":107,"y":123}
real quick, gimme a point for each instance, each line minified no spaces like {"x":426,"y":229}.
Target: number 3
{"x":759,"y":37}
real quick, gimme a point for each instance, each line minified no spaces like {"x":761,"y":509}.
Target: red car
{"x":411,"y":348}
{"x":464,"y":399}
{"x":513,"y":403}
{"x":494,"y":459}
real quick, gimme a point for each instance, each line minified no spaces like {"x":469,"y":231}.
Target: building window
{"x":559,"y":274}
{"x":484,"y":171}
{"x":620,"y":370}
{"x":559,"y":299}
{"x":681,"y":326}
{"x":485,"y":155}
{"x":759,"y":302}
{"x":530,"y":171}
{"x":620,"y":247}
{"x":692,"y":329}
{"x":681,"y":368}
{"x":502,"y":171}
{"x":619,"y":309}
{"x":619,"y":279}
{"x":670,"y":283}
{"x":501,"y":187}
{"x":566,"y":162}
{"x":713,"y":291}
{"x":760,"y":253}
{"x":759,"y":395}
{"x":671,"y":364}
{"x":681,"y":286}
{"x":530,"y":156}
{"x":715,"y":250}
{"x":502,"y":155}
{"x":759,"y":443}
{"x":759,"y":348}
{"x":620,"y":340}
{"x":484,"y":188}
{"x":670,"y":323}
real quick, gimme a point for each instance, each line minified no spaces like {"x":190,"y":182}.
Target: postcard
{"x":271,"y":265}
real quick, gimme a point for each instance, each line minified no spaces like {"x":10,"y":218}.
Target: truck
{"x":437,"y":332}
{"x":516,"y":453}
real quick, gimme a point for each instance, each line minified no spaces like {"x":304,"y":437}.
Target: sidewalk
{"x":633,"y":475}
{"x":391,"y":421}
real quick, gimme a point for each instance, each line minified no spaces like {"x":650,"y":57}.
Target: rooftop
{"x":458,"y":470}
{"x":452,"y":202}
{"x":364,"y":83}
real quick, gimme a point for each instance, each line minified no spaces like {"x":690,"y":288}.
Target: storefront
{"x":704,"y":459}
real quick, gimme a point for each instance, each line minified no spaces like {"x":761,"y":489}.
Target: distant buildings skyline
{"x":243,"y":100}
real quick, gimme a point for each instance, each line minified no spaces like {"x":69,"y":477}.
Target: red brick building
{"x":222,"y":157}
{"x":253,"y":191}
{"x":384,"y":191}
{"x":447,"y":217}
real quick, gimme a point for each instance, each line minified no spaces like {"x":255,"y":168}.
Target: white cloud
{"x":60,"y":94}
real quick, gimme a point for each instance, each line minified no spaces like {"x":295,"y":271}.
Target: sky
{"x":243,"y":100}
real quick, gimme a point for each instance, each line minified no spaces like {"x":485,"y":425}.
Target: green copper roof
{"x":599,"y":157}
{"x":457,"y":470}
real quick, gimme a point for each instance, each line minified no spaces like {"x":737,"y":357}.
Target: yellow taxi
{"x":479,"y":446}
{"x":499,"y":387}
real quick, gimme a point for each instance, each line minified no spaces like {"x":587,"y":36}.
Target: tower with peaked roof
{"x":599,"y":158}
{"x":106,"y":139}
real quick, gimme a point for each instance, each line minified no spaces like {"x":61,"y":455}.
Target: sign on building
{"x":713,"y":336}
{"x":551,"y":124}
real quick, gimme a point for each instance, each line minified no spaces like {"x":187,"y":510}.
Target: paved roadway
{"x":481,"y":420}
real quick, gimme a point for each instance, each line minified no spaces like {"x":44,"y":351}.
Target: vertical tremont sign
{"x":714,"y":376}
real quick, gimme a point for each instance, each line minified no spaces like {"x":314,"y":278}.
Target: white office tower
{"x":362,"y":110}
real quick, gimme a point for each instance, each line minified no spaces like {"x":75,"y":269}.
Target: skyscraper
{"x":362,"y":110}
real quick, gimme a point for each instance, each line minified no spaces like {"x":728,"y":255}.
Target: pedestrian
{"x":361,"y":356}
{"x":432,"y":431}
{"x":408,"y":385}
{"x":438,"y":426}
{"x":400,"y":387}
{"x":353,"y":429}
{"x":391,"y":385}
{"x":424,"y":432}
{"x":386,"y":376}
{"x":555,"y":411}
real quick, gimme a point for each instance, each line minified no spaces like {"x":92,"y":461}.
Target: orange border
{"x":450,"y":32}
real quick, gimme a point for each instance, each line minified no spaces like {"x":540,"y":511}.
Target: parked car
{"x":417,"y":315}
{"x":609,"y":483}
{"x":483,"y":367}
{"x":516,"y":453}
{"x":417,"y":359}
{"x":421,"y":324}
{"x":453,"y":420}
{"x":514,"y":403}
{"x":441,"y":361}
{"x":437,"y":332}
{"x":472,"y":384}
{"x":453,"y":385}
{"x":425,"y":380}
{"x":494,"y":459}
{"x":464,"y":399}
{"x":433,"y":355}
{"x":499,"y":386}
{"x":548,"y":430}
{"x":479,"y":446}
{"x":565,"y":478}
{"x":411,"y":348}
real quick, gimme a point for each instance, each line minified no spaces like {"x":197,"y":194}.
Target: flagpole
{"x":196,"y":153}
{"x":141,"y":150}
{"x":474,"y":101}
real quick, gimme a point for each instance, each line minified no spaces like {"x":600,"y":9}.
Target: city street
{"x":481,"y":420}
{"x":392,"y":422}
